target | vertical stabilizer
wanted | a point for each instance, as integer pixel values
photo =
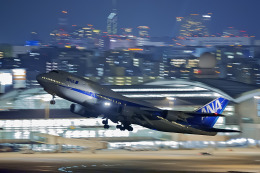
(216, 106)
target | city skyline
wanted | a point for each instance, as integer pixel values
(20, 18)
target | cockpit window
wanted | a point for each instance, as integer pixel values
(54, 71)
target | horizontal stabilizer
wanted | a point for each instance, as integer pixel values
(220, 130)
(198, 114)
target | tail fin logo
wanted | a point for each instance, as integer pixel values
(212, 108)
(216, 106)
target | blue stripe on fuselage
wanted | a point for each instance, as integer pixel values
(94, 95)
(81, 91)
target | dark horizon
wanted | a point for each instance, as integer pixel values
(20, 18)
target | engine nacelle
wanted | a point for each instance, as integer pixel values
(170, 115)
(82, 110)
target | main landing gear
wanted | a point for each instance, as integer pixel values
(125, 127)
(105, 122)
(122, 127)
(52, 102)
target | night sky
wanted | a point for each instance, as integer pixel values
(20, 17)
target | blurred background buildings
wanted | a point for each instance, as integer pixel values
(180, 73)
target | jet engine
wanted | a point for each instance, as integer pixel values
(82, 110)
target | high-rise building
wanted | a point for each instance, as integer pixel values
(128, 32)
(143, 31)
(5, 50)
(83, 37)
(34, 40)
(143, 35)
(194, 25)
(232, 32)
(112, 23)
(60, 36)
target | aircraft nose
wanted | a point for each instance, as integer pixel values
(39, 78)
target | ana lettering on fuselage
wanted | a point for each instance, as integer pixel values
(72, 81)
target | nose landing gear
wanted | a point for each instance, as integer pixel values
(52, 102)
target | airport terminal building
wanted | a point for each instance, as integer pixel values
(27, 112)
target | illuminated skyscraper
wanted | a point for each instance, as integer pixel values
(143, 31)
(143, 35)
(60, 36)
(231, 32)
(83, 37)
(194, 25)
(83, 32)
(34, 40)
(112, 23)
(112, 20)
(127, 31)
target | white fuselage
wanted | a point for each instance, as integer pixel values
(92, 95)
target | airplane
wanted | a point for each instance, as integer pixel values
(91, 99)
